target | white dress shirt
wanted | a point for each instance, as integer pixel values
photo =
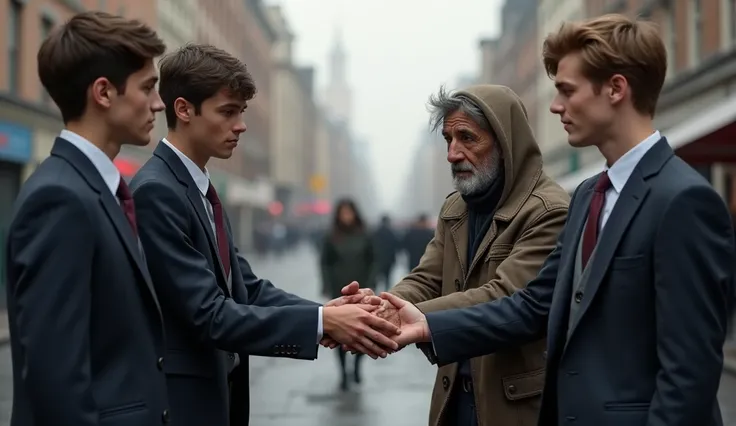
(202, 180)
(104, 165)
(620, 172)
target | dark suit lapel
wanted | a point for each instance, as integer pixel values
(195, 198)
(84, 166)
(632, 196)
(563, 290)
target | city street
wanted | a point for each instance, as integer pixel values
(394, 391)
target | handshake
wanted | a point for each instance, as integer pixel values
(374, 325)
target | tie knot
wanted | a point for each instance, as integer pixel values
(123, 191)
(603, 183)
(212, 195)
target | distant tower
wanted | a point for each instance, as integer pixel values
(338, 96)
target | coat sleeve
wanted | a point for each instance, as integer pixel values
(521, 266)
(425, 281)
(188, 288)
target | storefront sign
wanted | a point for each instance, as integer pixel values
(15, 143)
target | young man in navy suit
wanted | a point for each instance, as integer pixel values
(86, 333)
(216, 311)
(634, 297)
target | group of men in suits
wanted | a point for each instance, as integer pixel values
(131, 305)
(634, 298)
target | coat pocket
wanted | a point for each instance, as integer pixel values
(525, 385)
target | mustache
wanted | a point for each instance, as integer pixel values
(462, 167)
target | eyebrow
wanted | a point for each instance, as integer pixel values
(232, 105)
(150, 80)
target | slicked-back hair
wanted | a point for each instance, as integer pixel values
(89, 46)
(197, 72)
(613, 44)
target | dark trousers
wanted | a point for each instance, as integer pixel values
(342, 354)
(461, 410)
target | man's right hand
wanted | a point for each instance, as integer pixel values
(414, 328)
(356, 326)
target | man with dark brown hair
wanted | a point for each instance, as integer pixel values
(85, 324)
(633, 297)
(216, 311)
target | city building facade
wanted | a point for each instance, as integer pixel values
(697, 108)
(29, 121)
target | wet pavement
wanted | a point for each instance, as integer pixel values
(395, 390)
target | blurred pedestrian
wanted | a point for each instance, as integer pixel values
(387, 246)
(347, 255)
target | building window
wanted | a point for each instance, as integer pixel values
(15, 32)
(47, 25)
(670, 24)
(696, 35)
(731, 13)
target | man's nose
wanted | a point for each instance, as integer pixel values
(240, 127)
(454, 154)
(556, 107)
(158, 103)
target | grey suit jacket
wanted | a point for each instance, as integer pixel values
(646, 347)
(206, 322)
(86, 333)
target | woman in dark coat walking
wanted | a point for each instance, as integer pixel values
(347, 255)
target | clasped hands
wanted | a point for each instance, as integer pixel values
(374, 325)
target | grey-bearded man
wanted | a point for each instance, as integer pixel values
(492, 237)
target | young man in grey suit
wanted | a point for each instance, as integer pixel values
(86, 333)
(633, 298)
(216, 311)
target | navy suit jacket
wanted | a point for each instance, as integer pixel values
(205, 322)
(647, 347)
(85, 325)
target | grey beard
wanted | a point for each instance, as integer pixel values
(481, 179)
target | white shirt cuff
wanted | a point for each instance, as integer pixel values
(319, 325)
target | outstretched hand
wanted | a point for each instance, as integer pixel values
(411, 321)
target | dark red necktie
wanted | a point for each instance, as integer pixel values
(126, 202)
(222, 245)
(590, 234)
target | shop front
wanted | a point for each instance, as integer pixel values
(15, 152)
(248, 202)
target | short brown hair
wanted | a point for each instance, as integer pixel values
(89, 46)
(614, 44)
(196, 72)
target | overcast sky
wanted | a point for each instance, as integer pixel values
(399, 52)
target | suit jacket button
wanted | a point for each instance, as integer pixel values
(512, 389)
(458, 285)
(165, 416)
(160, 364)
(578, 297)
(445, 382)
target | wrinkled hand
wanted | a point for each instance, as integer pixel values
(388, 312)
(412, 322)
(351, 294)
(355, 326)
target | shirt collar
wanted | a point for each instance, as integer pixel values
(201, 178)
(104, 165)
(621, 170)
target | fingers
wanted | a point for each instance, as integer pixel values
(371, 300)
(350, 289)
(382, 325)
(368, 308)
(382, 340)
(394, 300)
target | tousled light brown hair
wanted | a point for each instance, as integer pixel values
(197, 72)
(89, 46)
(613, 44)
